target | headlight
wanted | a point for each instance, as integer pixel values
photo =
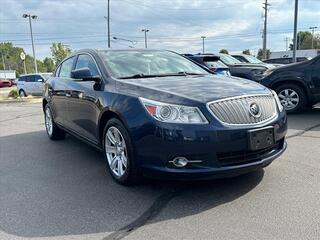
(258, 72)
(268, 72)
(275, 95)
(166, 112)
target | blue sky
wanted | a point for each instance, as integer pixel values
(174, 24)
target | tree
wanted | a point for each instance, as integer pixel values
(247, 52)
(260, 54)
(49, 64)
(59, 52)
(225, 51)
(304, 41)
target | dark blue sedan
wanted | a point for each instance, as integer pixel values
(155, 113)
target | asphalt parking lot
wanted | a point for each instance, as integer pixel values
(61, 190)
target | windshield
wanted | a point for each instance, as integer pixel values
(215, 64)
(126, 63)
(227, 59)
(252, 59)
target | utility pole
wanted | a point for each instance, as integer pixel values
(29, 16)
(145, 36)
(265, 7)
(108, 20)
(312, 29)
(294, 54)
(203, 37)
(286, 39)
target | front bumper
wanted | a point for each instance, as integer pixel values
(156, 144)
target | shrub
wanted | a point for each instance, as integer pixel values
(13, 94)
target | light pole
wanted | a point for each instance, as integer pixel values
(203, 37)
(29, 16)
(265, 7)
(294, 54)
(108, 19)
(126, 40)
(145, 37)
(312, 29)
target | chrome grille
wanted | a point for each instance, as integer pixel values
(236, 110)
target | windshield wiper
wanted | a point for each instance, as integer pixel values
(141, 75)
(189, 73)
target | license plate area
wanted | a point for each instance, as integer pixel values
(261, 138)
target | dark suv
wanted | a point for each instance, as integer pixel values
(158, 114)
(297, 85)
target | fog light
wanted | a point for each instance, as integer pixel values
(180, 161)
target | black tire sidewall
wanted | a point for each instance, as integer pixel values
(130, 175)
(302, 97)
(23, 93)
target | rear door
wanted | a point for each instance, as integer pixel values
(315, 77)
(29, 84)
(38, 85)
(83, 101)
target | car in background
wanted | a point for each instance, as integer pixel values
(156, 113)
(31, 84)
(5, 83)
(285, 60)
(297, 84)
(245, 58)
(249, 71)
(210, 61)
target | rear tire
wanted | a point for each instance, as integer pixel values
(119, 154)
(292, 97)
(53, 131)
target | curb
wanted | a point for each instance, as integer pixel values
(19, 100)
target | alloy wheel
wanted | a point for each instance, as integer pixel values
(116, 151)
(48, 121)
(289, 98)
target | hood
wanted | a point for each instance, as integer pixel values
(199, 88)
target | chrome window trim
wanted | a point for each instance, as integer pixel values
(244, 124)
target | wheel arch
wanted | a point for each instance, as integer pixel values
(104, 118)
(292, 82)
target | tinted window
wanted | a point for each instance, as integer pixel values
(22, 79)
(66, 68)
(85, 60)
(37, 77)
(30, 78)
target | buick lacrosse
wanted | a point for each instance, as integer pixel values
(155, 113)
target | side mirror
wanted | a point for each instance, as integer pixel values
(84, 74)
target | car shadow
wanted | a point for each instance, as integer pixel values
(58, 188)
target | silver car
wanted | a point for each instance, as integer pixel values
(31, 84)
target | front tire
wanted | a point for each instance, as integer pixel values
(292, 97)
(119, 153)
(22, 93)
(53, 131)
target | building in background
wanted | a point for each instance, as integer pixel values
(308, 53)
(8, 74)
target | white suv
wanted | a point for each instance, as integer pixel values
(31, 84)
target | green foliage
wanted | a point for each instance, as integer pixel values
(304, 40)
(13, 94)
(225, 51)
(13, 61)
(260, 54)
(247, 52)
(49, 64)
(59, 52)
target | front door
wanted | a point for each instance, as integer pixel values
(83, 101)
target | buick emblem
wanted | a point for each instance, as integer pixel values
(254, 110)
